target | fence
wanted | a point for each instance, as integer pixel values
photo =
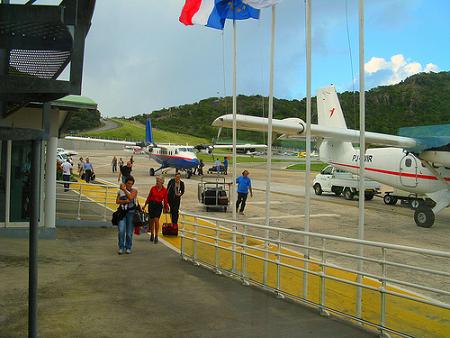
(325, 274)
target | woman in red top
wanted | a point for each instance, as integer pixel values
(155, 200)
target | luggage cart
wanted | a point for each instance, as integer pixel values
(214, 194)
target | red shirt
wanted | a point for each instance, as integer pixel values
(158, 196)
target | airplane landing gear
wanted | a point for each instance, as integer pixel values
(189, 173)
(424, 216)
(151, 172)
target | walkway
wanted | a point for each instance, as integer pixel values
(87, 290)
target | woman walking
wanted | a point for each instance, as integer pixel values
(156, 200)
(127, 199)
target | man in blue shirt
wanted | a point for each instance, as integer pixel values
(244, 185)
(225, 165)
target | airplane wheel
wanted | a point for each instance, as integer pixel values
(189, 173)
(424, 217)
(317, 189)
(348, 194)
(152, 172)
(390, 200)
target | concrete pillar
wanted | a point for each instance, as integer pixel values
(50, 183)
(8, 183)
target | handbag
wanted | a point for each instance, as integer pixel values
(118, 215)
(139, 218)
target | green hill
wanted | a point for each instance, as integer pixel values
(422, 99)
(135, 131)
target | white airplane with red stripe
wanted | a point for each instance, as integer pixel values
(417, 165)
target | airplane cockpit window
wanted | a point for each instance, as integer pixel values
(408, 162)
(182, 149)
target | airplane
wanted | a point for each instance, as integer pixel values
(180, 157)
(419, 165)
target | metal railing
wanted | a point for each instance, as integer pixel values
(388, 269)
(85, 201)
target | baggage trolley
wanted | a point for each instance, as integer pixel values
(214, 194)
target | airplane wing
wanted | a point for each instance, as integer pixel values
(240, 146)
(295, 127)
(92, 139)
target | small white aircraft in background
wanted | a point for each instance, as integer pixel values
(419, 165)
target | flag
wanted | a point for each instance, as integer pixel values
(213, 13)
(203, 12)
(238, 10)
(258, 4)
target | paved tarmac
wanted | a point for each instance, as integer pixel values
(87, 290)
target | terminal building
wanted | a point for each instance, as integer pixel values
(37, 43)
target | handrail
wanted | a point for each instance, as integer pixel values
(232, 237)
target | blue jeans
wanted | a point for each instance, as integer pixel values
(126, 227)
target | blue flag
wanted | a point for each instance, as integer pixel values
(238, 10)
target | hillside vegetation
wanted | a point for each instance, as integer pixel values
(422, 99)
(135, 131)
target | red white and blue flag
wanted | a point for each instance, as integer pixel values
(213, 13)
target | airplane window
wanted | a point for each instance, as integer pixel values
(408, 162)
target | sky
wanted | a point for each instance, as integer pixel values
(140, 58)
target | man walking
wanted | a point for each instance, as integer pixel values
(175, 189)
(114, 164)
(125, 171)
(244, 185)
(67, 170)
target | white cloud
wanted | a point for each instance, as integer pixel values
(430, 67)
(382, 72)
(375, 64)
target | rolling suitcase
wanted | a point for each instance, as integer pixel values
(169, 229)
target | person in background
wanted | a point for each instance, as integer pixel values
(125, 171)
(120, 163)
(114, 164)
(88, 170)
(67, 171)
(200, 167)
(175, 189)
(225, 165)
(131, 160)
(217, 164)
(80, 167)
(126, 198)
(244, 185)
(156, 201)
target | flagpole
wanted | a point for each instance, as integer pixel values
(362, 151)
(233, 201)
(269, 143)
(308, 144)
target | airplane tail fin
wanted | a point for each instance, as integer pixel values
(148, 132)
(329, 109)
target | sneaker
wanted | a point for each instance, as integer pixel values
(128, 251)
(120, 251)
(241, 212)
(156, 239)
(151, 238)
